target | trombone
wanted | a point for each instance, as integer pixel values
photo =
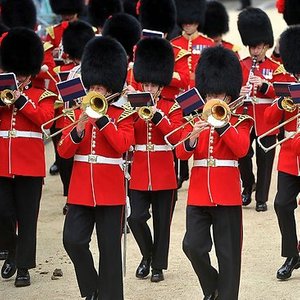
(215, 112)
(93, 103)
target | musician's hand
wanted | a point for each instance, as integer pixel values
(129, 89)
(257, 82)
(17, 94)
(198, 127)
(246, 90)
(81, 124)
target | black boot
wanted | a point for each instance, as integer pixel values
(157, 275)
(246, 196)
(23, 278)
(54, 169)
(143, 269)
(287, 268)
(8, 269)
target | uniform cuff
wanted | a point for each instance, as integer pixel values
(75, 137)
(102, 122)
(157, 117)
(221, 130)
(20, 102)
(279, 102)
(264, 87)
(188, 147)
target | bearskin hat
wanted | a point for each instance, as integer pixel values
(154, 61)
(22, 52)
(125, 28)
(3, 28)
(159, 15)
(104, 62)
(75, 37)
(255, 27)
(218, 71)
(291, 13)
(130, 7)
(191, 11)
(100, 10)
(289, 44)
(17, 13)
(67, 7)
(216, 19)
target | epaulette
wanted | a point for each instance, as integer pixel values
(50, 31)
(95, 29)
(47, 46)
(174, 107)
(56, 69)
(47, 94)
(241, 118)
(70, 114)
(236, 48)
(280, 70)
(181, 53)
(128, 111)
(190, 119)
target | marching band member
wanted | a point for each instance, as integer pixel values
(22, 163)
(214, 193)
(97, 187)
(217, 24)
(153, 179)
(259, 72)
(288, 183)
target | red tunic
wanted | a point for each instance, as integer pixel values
(154, 170)
(217, 185)
(194, 44)
(98, 183)
(25, 156)
(270, 71)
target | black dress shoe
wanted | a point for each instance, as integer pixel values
(94, 296)
(8, 269)
(143, 269)
(3, 254)
(157, 275)
(23, 278)
(261, 206)
(54, 169)
(246, 199)
(212, 296)
(65, 209)
(287, 268)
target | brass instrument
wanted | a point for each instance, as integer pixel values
(8, 97)
(288, 104)
(215, 112)
(93, 103)
(146, 113)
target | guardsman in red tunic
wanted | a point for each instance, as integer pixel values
(22, 157)
(217, 24)
(153, 179)
(288, 186)
(97, 188)
(69, 11)
(214, 193)
(190, 17)
(259, 72)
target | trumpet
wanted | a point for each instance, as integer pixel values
(7, 96)
(146, 113)
(93, 103)
(215, 112)
(288, 104)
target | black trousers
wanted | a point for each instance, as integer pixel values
(162, 203)
(288, 187)
(19, 206)
(226, 223)
(79, 224)
(264, 162)
(55, 140)
(65, 171)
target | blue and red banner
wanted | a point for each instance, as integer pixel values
(8, 81)
(140, 99)
(190, 101)
(295, 92)
(71, 89)
(282, 89)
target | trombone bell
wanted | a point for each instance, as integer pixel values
(288, 104)
(146, 113)
(7, 96)
(94, 104)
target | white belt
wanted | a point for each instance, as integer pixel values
(151, 147)
(212, 162)
(98, 159)
(289, 134)
(263, 100)
(18, 133)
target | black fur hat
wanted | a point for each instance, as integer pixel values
(100, 10)
(159, 15)
(75, 37)
(190, 11)
(3, 28)
(125, 28)
(216, 19)
(22, 52)
(104, 62)
(219, 71)
(255, 27)
(291, 13)
(154, 61)
(66, 7)
(289, 45)
(130, 7)
(17, 13)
